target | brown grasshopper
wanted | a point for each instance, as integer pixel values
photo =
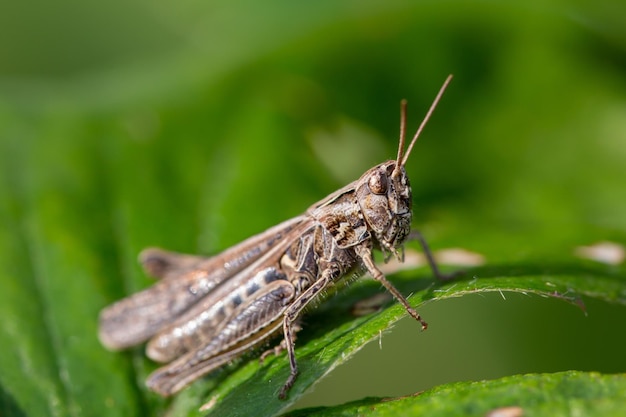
(206, 311)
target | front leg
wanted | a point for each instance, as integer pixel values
(329, 273)
(365, 253)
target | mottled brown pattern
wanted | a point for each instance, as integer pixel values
(206, 311)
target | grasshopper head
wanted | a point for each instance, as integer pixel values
(384, 195)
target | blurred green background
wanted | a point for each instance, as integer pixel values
(192, 126)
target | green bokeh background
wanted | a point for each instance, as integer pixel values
(192, 126)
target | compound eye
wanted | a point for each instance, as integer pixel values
(378, 183)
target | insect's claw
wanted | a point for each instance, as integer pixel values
(290, 381)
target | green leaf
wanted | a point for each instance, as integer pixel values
(558, 394)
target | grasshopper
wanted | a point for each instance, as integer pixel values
(206, 311)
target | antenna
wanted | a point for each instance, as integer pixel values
(402, 129)
(401, 161)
